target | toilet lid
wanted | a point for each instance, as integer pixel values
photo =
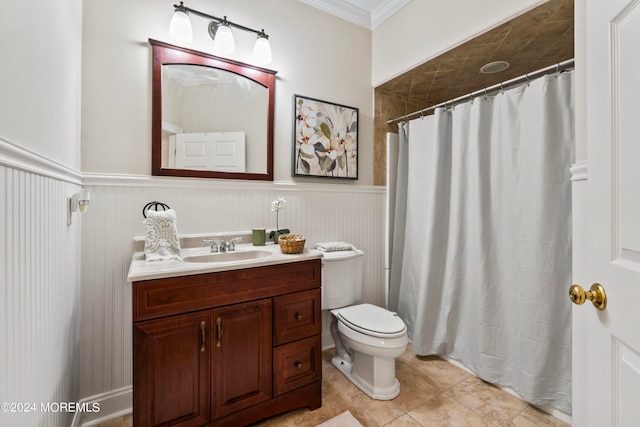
(372, 320)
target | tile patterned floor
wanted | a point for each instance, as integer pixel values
(433, 393)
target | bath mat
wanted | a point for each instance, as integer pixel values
(345, 419)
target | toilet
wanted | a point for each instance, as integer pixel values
(367, 338)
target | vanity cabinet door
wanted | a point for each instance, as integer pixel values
(241, 361)
(171, 362)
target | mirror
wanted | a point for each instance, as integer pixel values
(212, 117)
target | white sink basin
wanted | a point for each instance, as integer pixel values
(228, 256)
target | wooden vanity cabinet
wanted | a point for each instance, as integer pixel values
(227, 348)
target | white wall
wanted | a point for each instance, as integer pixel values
(40, 84)
(581, 77)
(580, 191)
(39, 253)
(315, 54)
(424, 29)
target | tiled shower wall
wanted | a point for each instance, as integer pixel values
(39, 296)
(323, 211)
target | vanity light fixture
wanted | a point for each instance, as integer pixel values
(79, 201)
(220, 31)
(262, 49)
(180, 25)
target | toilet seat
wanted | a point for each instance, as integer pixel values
(372, 320)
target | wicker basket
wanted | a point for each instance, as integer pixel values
(291, 243)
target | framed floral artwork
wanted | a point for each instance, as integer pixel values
(325, 139)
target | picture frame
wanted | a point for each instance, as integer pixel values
(325, 139)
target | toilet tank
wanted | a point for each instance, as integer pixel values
(341, 278)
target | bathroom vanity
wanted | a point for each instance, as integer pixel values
(225, 341)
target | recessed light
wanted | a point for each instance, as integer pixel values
(494, 67)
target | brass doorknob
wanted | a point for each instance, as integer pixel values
(596, 295)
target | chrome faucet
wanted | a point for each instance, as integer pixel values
(229, 246)
(214, 245)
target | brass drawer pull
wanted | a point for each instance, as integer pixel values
(219, 323)
(298, 365)
(202, 328)
(299, 317)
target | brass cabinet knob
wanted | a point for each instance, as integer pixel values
(596, 295)
(299, 317)
(298, 365)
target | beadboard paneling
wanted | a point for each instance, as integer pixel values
(322, 212)
(39, 296)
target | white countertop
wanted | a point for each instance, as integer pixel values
(147, 270)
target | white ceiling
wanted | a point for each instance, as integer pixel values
(367, 13)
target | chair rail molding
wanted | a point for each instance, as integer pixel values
(16, 157)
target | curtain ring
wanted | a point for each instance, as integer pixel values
(501, 89)
(527, 77)
(486, 95)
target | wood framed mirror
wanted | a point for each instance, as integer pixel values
(212, 117)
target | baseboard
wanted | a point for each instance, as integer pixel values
(112, 404)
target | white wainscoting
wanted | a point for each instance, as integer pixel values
(325, 211)
(39, 289)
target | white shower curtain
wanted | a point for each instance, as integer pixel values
(482, 237)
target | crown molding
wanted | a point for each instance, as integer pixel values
(385, 10)
(352, 13)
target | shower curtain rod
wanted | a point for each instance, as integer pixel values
(560, 66)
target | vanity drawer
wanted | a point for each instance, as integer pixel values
(297, 364)
(164, 297)
(296, 316)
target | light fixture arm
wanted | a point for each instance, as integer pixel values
(220, 21)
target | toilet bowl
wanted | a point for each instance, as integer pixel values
(368, 338)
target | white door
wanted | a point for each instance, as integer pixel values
(192, 151)
(215, 151)
(608, 365)
(228, 151)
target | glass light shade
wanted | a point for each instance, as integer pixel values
(84, 198)
(223, 44)
(180, 27)
(262, 51)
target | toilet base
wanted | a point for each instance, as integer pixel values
(377, 393)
